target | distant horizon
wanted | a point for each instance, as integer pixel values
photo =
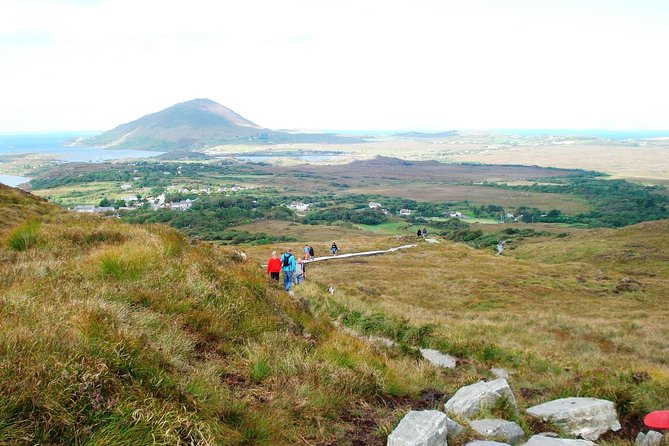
(587, 132)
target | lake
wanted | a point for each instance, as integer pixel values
(13, 180)
(56, 145)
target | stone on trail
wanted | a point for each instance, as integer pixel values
(420, 428)
(486, 443)
(439, 359)
(496, 429)
(651, 438)
(540, 440)
(470, 400)
(581, 417)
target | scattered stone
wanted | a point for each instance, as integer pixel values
(439, 359)
(486, 443)
(651, 438)
(499, 373)
(496, 429)
(582, 417)
(627, 284)
(432, 240)
(470, 400)
(454, 428)
(420, 428)
(540, 440)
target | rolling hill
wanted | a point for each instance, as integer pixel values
(198, 124)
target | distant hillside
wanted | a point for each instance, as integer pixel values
(198, 124)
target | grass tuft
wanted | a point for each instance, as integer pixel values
(24, 236)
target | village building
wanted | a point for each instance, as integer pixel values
(405, 212)
(92, 209)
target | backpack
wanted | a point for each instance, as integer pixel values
(286, 260)
(311, 251)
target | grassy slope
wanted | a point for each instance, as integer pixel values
(120, 334)
(559, 327)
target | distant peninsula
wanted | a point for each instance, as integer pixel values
(199, 124)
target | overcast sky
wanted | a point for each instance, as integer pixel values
(338, 64)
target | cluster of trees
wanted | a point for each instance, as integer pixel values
(361, 216)
(210, 217)
(615, 203)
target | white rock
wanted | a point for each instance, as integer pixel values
(420, 428)
(454, 428)
(439, 359)
(469, 401)
(581, 417)
(499, 373)
(540, 440)
(496, 429)
(651, 438)
(486, 443)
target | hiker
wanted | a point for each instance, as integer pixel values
(306, 252)
(334, 249)
(274, 266)
(500, 248)
(288, 265)
(298, 275)
(311, 252)
(418, 233)
(424, 232)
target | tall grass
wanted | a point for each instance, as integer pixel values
(24, 236)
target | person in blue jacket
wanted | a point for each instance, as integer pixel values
(288, 265)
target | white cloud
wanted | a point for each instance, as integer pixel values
(324, 64)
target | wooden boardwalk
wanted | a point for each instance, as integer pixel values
(360, 254)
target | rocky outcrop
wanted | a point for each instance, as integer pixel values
(540, 440)
(650, 438)
(439, 359)
(454, 428)
(587, 418)
(420, 428)
(469, 401)
(500, 430)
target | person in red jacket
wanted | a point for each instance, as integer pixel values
(274, 266)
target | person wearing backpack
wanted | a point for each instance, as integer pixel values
(288, 266)
(334, 249)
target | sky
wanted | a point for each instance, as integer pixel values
(337, 64)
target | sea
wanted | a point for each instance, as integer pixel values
(58, 146)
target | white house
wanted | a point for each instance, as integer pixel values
(405, 212)
(374, 205)
(455, 214)
(182, 205)
(126, 186)
(92, 209)
(299, 206)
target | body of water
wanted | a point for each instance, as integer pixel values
(56, 145)
(264, 158)
(13, 180)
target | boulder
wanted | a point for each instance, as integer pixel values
(454, 428)
(486, 443)
(651, 438)
(540, 440)
(420, 428)
(470, 400)
(587, 418)
(439, 359)
(496, 429)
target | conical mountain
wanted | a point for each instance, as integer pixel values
(187, 125)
